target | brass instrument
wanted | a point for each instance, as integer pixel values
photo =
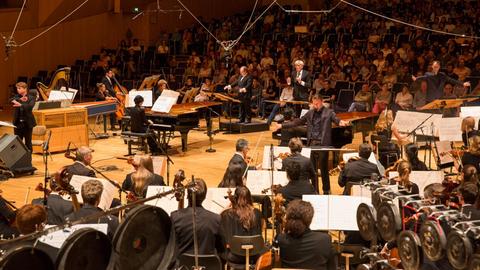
(60, 74)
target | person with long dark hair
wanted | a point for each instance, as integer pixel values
(242, 219)
(411, 151)
(301, 247)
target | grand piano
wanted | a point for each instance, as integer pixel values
(182, 118)
(360, 122)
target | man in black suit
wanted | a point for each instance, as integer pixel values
(57, 207)
(302, 82)
(296, 186)
(208, 225)
(244, 83)
(23, 117)
(238, 159)
(83, 158)
(319, 121)
(356, 171)
(91, 194)
(107, 80)
(300, 247)
(139, 123)
(307, 172)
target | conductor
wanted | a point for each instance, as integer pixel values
(244, 83)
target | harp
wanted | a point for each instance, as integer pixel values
(60, 78)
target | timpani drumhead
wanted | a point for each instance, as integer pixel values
(85, 249)
(24, 257)
(144, 240)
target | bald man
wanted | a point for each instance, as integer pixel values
(244, 83)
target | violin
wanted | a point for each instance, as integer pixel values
(178, 183)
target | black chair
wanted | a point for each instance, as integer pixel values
(246, 246)
(345, 99)
(133, 138)
(187, 261)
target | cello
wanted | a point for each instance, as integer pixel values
(120, 94)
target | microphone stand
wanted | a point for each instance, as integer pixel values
(45, 161)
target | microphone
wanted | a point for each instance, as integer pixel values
(47, 142)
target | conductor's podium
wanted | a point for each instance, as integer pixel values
(66, 124)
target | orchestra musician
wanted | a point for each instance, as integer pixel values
(244, 83)
(57, 207)
(307, 172)
(91, 193)
(242, 219)
(472, 156)
(300, 247)
(103, 95)
(468, 129)
(23, 119)
(319, 133)
(139, 123)
(436, 81)
(140, 163)
(297, 186)
(357, 170)
(302, 82)
(287, 95)
(83, 158)
(208, 225)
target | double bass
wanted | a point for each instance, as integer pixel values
(120, 94)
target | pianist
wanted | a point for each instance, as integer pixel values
(139, 124)
(319, 121)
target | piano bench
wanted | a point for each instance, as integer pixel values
(135, 138)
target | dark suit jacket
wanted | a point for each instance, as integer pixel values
(307, 171)
(77, 168)
(312, 250)
(295, 189)
(88, 210)
(236, 159)
(328, 116)
(23, 115)
(246, 83)
(301, 92)
(356, 171)
(57, 208)
(208, 231)
(109, 85)
(138, 121)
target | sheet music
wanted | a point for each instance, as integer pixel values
(109, 190)
(449, 129)
(6, 124)
(258, 180)
(276, 151)
(407, 121)
(215, 200)
(146, 94)
(327, 207)
(56, 239)
(168, 203)
(473, 111)
(58, 95)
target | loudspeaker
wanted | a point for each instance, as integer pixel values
(14, 155)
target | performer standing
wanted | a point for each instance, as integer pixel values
(436, 81)
(319, 133)
(302, 82)
(23, 117)
(244, 82)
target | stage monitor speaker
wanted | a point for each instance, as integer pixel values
(14, 155)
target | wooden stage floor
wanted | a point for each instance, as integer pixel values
(197, 162)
